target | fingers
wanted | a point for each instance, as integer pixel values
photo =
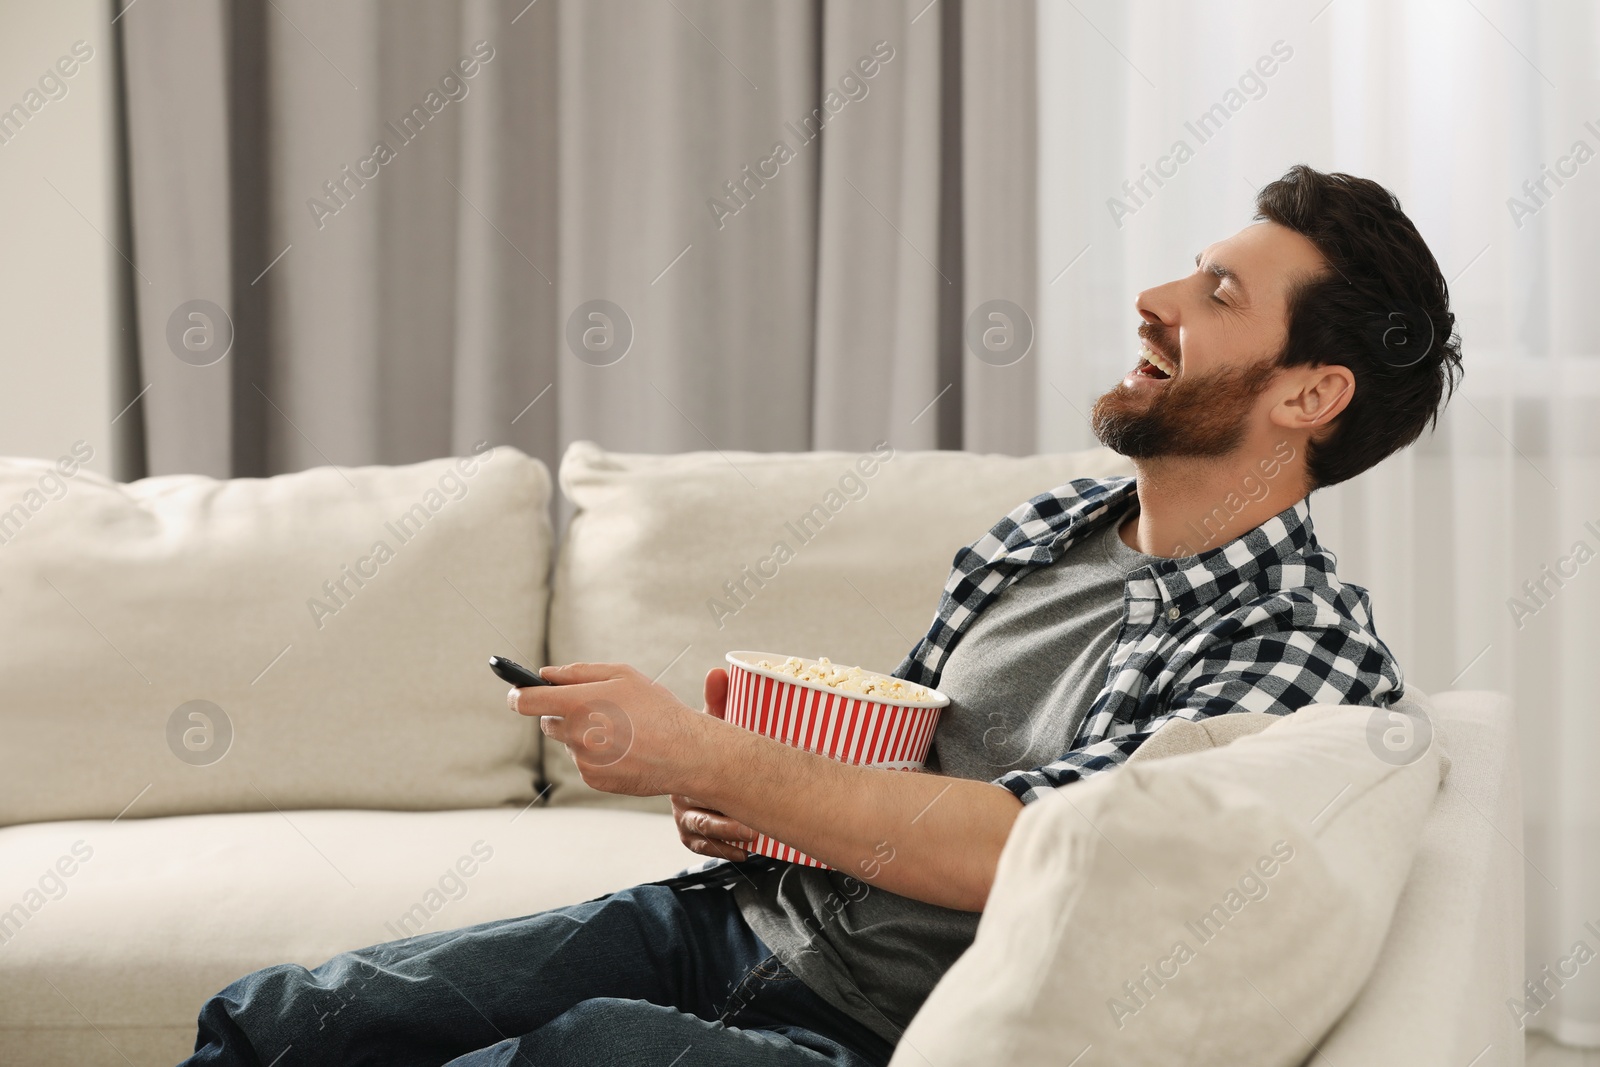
(562, 697)
(576, 673)
(722, 850)
(525, 701)
(707, 832)
(597, 732)
(548, 700)
(713, 824)
(716, 692)
(696, 821)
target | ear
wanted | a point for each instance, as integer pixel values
(1318, 395)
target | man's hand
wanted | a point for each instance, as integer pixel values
(925, 836)
(702, 829)
(626, 734)
(709, 832)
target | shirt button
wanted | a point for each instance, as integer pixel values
(1173, 613)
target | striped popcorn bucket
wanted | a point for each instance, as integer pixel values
(835, 723)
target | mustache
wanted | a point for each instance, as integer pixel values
(1156, 337)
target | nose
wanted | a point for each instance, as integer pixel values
(1159, 306)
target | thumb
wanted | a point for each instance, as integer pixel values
(717, 692)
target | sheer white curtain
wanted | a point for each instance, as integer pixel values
(1481, 545)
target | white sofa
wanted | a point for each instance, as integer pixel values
(353, 775)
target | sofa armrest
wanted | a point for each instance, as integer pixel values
(1454, 952)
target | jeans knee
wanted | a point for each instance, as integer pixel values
(614, 1032)
(222, 1034)
(274, 1007)
(589, 1015)
(602, 1019)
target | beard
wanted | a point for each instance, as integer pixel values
(1201, 417)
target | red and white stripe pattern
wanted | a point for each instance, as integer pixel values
(841, 725)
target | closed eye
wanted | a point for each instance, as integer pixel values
(1224, 275)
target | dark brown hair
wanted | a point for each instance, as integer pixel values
(1382, 310)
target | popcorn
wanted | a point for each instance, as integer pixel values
(850, 680)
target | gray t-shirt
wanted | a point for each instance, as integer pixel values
(1020, 681)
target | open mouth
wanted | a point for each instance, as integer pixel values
(1153, 364)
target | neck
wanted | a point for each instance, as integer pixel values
(1190, 505)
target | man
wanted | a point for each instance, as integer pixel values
(1300, 351)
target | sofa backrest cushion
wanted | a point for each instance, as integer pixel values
(181, 644)
(671, 561)
(1219, 907)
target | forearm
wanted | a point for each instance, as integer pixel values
(924, 836)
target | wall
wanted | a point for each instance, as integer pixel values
(56, 266)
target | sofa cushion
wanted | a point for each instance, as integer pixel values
(671, 561)
(158, 914)
(183, 645)
(1218, 907)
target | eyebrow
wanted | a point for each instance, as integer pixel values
(1222, 272)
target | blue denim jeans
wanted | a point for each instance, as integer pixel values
(657, 974)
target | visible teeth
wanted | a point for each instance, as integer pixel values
(1161, 362)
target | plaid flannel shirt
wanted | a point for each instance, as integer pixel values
(1260, 623)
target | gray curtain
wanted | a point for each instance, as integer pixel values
(658, 224)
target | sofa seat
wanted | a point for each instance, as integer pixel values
(111, 962)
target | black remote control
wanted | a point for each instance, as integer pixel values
(515, 673)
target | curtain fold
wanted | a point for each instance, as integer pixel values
(695, 224)
(506, 248)
(181, 191)
(881, 280)
(675, 213)
(1000, 224)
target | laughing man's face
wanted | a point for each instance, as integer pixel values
(1207, 348)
